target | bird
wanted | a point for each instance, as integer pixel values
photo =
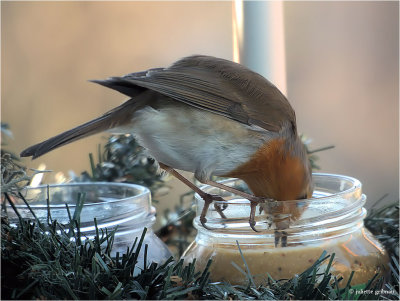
(212, 117)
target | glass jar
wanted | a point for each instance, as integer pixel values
(126, 206)
(332, 221)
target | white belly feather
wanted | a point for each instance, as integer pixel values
(194, 140)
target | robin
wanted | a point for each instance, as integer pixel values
(212, 117)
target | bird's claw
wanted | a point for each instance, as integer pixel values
(220, 210)
(208, 199)
(252, 222)
(252, 225)
(253, 205)
(203, 221)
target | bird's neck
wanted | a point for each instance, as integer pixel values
(274, 171)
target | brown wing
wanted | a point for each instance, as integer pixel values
(216, 85)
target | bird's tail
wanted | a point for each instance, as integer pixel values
(119, 116)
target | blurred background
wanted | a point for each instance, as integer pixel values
(342, 67)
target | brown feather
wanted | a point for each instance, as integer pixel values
(216, 85)
(116, 117)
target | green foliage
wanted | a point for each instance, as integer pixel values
(383, 222)
(52, 261)
(123, 160)
(14, 177)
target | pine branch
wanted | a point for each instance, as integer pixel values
(123, 160)
(39, 260)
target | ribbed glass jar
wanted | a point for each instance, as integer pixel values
(332, 221)
(126, 206)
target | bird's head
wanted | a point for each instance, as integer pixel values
(279, 170)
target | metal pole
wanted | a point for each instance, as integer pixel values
(259, 39)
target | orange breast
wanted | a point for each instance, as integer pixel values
(274, 172)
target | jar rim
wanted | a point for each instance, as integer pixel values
(337, 203)
(142, 191)
(356, 185)
(124, 205)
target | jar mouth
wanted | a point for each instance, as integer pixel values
(337, 201)
(126, 192)
(112, 204)
(347, 186)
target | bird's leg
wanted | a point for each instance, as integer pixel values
(238, 192)
(280, 234)
(252, 222)
(254, 200)
(208, 198)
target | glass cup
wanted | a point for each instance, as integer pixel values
(126, 206)
(331, 220)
